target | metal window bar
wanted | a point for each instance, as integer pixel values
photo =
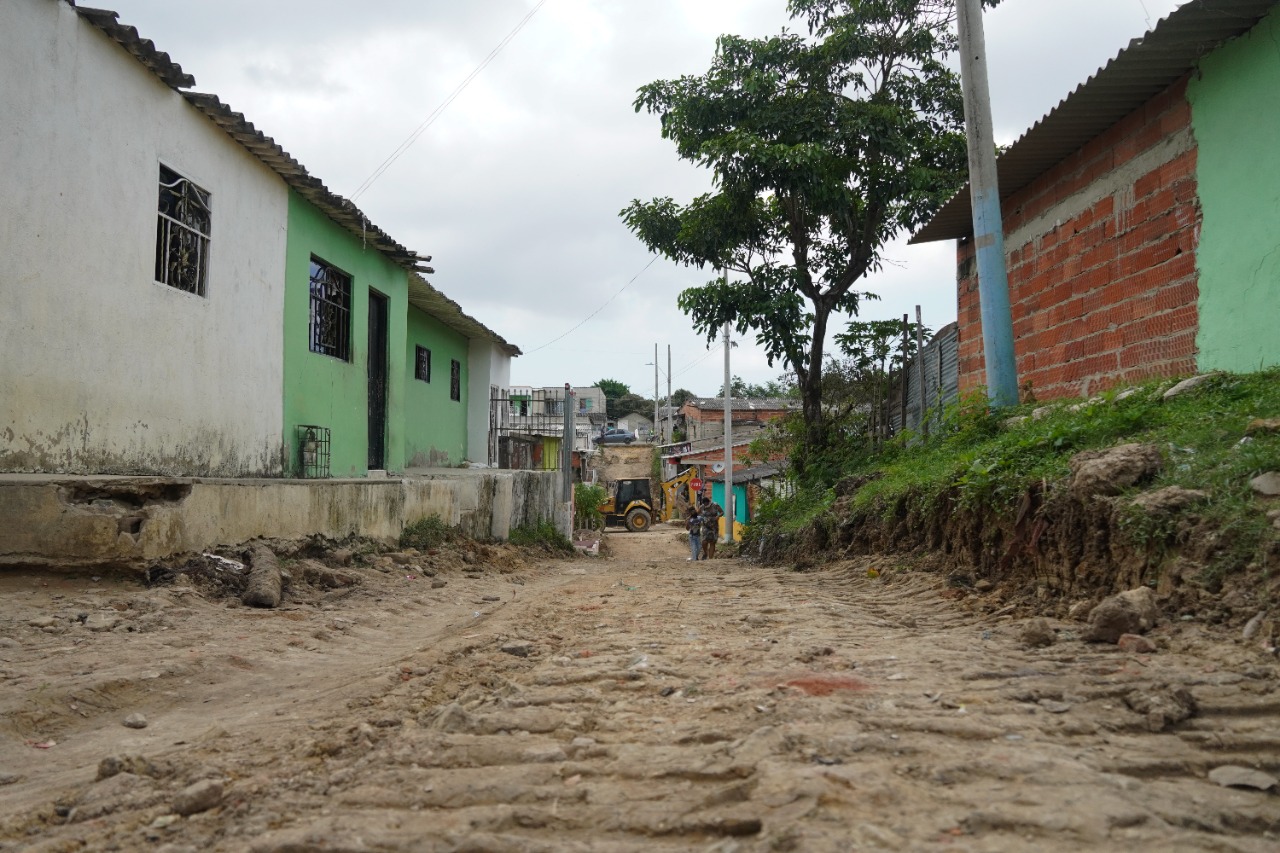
(330, 323)
(183, 228)
(455, 380)
(313, 451)
(422, 364)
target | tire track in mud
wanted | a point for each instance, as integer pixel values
(655, 704)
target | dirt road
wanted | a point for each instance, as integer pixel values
(636, 702)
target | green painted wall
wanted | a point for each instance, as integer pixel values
(320, 389)
(435, 424)
(1237, 126)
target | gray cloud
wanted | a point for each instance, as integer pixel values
(516, 188)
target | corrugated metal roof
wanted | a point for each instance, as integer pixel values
(143, 50)
(1138, 73)
(341, 210)
(426, 298)
(745, 404)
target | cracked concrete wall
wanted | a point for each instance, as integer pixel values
(125, 521)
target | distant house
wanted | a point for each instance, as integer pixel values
(638, 424)
(704, 416)
(531, 424)
(186, 299)
(1140, 213)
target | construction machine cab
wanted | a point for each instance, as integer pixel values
(630, 504)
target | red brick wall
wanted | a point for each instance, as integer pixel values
(1102, 281)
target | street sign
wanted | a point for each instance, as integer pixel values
(695, 484)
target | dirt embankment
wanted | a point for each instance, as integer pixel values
(1061, 545)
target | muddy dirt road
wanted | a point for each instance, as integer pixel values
(638, 702)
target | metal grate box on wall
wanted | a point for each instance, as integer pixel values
(313, 451)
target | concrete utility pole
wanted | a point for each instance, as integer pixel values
(984, 191)
(924, 421)
(728, 440)
(655, 391)
(670, 415)
(567, 441)
(905, 372)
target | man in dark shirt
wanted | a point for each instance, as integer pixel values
(711, 514)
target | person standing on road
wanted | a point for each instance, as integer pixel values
(694, 525)
(711, 514)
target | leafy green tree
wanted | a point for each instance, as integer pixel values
(612, 388)
(823, 148)
(614, 391)
(856, 387)
(680, 396)
(628, 403)
(750, 391)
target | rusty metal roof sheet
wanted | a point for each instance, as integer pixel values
(341, 210)
(1138, 73)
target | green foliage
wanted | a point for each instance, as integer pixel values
(680, 396)
(541, 535)
(426, 533)
(823, 148)
(612, 388)
(776, 389)
(586, 504)
(628, 403)
(989, 460)
(619, 400)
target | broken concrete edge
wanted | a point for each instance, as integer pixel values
(116, 522)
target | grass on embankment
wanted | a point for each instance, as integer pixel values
(988, 461)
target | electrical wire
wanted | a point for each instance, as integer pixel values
(436, 113)
(652, 261)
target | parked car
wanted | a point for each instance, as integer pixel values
(615, 435)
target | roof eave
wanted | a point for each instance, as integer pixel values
(1138, 73)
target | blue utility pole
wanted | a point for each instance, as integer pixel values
(988, 228)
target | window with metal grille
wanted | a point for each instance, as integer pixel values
(455, 380)
(182, 234)
(422, 364)
(330, 329)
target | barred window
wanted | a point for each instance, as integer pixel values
(455, 380)
(182, 234)
(422, 364)
(330, 330)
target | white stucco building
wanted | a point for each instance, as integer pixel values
(143, 329)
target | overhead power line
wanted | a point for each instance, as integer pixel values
(652, 261)
(436, 113)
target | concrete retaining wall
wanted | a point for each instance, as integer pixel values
(93, 521)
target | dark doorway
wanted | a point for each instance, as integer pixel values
(377, 381)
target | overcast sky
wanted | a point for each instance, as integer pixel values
(515, 188)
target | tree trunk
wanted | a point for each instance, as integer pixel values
(265, 584)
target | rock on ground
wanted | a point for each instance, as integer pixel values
(1110, 471)
(198, 797)
(1131, 612)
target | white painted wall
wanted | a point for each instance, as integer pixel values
(102, 369)
(488, 367)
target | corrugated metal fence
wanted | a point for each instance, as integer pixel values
(941, 361)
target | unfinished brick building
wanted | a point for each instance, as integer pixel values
(1110, 201)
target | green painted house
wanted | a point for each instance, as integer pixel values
(380, 369)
